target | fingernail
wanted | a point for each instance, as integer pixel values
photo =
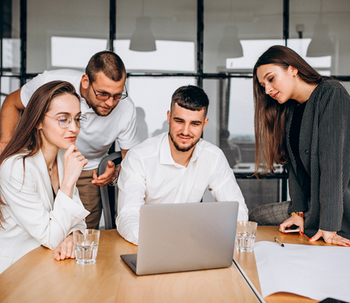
(347, 244)
(309, 239)
(301, 233)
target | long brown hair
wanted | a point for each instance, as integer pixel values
(26, 138)
(270, 116)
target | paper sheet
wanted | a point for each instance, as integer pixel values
(317, 272)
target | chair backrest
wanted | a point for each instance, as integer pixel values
(109, 193)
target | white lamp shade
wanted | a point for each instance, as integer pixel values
(321, 44)
(142, 39)
(230, 46)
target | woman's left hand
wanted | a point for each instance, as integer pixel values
(65, 250)
(330, 237)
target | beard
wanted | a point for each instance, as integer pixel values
(185, 148)
(104, 114)
(95, 108)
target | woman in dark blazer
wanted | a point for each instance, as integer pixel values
(302, 121)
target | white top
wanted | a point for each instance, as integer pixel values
(98, 133)
(150, 175)
(32, 216)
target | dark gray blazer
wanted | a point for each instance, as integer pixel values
(324, 146)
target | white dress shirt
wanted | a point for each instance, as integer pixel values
(149, 175)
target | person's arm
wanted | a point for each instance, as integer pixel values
(127, 136)
(298, 198)
(66, 248)
(131, 196)
(334, 163)
(224, 187)
(10, 114)
(298, 202)
(334, 158)
(110, 172)
(73, 165)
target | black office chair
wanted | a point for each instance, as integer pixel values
(109, 194)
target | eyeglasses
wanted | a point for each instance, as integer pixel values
(65, 120)
(106, 96)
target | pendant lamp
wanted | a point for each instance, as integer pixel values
(230, 46)
(142, 40)
(321, 44)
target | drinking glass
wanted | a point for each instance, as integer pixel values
(86, 245)
(245, 235)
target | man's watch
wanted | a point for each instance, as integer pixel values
(115, 180)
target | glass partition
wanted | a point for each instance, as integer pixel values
(62, 33)
(228, 23)
(165, 32)
(10, 47)
(325, 24)
(152, 97)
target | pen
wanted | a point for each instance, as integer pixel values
(279, 242)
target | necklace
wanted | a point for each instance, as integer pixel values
(50, 168)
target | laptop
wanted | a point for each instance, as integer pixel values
(184, 237)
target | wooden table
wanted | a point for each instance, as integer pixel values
(37, 277)
(247, 262)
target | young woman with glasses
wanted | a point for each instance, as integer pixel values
(302, 121)
(40, 204)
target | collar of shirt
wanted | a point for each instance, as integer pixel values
(165, 153)
(85, 109)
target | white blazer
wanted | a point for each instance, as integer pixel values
(32, 216)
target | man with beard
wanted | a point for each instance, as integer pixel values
(111, 116)
(175, 167)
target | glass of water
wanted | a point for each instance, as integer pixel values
(86, 245)
(245, 235)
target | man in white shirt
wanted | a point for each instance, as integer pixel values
(111, 116)
(175, 167)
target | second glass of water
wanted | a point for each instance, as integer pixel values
(86, 245)
(245, 235)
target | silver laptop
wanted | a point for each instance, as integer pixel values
(184, 237)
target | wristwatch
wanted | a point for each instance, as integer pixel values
(115, 180)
